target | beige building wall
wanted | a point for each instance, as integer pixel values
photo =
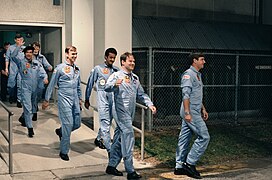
(38, 11)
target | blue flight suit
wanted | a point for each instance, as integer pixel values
(31, 72)
(67, 78)
(125, 103)
(99, 75)
(42, 59)
(192, 89)
(14, 78)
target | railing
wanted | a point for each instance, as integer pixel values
(141, 131)
(9, 137)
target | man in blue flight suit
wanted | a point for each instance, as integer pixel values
(127, 88)
(46, 65)
(66, 77)
(14, 79)
(31, 71)
(99, 75)
(192, 110)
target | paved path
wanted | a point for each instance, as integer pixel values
(37, 158)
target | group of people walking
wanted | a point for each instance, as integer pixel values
(117, 92)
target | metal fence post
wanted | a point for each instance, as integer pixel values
(236, 90)
(150, 88)
(142, 134)
(10, 126)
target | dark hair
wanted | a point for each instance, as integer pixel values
(110, 50)
(36, 44)
(124, 56)
(70, 48)
(28, 48)
(6, 43)
(193, 56)
(17, 36)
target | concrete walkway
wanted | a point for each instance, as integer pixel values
(38, 157)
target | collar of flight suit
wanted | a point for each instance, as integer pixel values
(66, 62)
(194, 69)
(126, 73)
(112, 67)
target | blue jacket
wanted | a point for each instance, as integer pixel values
(127, 93)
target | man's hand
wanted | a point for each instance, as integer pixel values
(4, 72)
(118, 82)
(188, 118)
(205, 114)
(21, 42)
(153, 109)
(45, 104)
(7, 71)
(45, 81)
(87, 104)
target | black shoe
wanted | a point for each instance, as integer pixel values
(58, 132)
(30, 132)
(19, 105)
(191, 171)
(22, 120)
(34, 117)
(180, 171)
(133, 175)
(113, 171)
(64, 157)
(99, 143)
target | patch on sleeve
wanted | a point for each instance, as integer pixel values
(186, 77)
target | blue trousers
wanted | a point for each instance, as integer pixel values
(69, 115)
(123, 145)
(29, 106)
(106, 113)
(198, 127)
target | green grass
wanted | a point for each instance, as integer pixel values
(227, 143)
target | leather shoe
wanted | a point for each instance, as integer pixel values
(64, 157)
(191, 171)
(19, 105)
(34, 117)
(180, 171)
(22, 120)
(99, 143)
(30, 132)
(133, 175)
(113, 171)
(58, 132)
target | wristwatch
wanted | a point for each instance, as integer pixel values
(187, 113)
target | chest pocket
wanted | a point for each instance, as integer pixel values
(196, 83)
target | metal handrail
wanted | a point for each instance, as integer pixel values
(141, 131)
(9, 137)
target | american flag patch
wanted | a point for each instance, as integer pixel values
(186, 77)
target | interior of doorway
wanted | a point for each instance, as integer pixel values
(48, 37)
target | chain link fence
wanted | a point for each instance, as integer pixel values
(236, 85)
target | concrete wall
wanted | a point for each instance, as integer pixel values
(82, 36)
(42, 11)
(52, 44)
